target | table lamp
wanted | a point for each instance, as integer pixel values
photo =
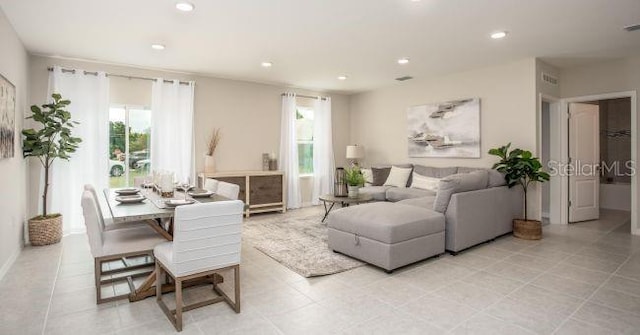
(355, 152)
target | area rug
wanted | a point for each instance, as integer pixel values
(297, 241)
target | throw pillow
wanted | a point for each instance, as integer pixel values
(457, 183)
(424, 182)
(380, 175)
(368, 176)
(398, 177)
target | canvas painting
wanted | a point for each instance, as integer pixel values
(447, 129)
(7, 117)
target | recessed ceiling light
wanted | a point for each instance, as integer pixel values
(415, 0)
(498, 35)
(185, 6)
(266, 64)
(157, 46)
(343, 77)
(403, 61)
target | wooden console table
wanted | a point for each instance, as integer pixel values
(266, 189)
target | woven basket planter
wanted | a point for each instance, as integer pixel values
(45, 231)
(527, 230)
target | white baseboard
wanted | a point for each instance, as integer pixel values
(7, 265)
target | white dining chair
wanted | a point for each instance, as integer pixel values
(211, 185)
(206, 241)
(106, 222)
(228, 190)
(116, 245)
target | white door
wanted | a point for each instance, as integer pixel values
(584, 154)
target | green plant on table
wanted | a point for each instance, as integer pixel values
(53, 140)
(353, 176)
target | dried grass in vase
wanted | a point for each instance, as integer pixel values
(214, 140)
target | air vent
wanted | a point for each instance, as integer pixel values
(632, 27)
(404, 78)
(549, 79)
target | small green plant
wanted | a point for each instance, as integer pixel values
(353, 176)
(53, 140)
(519, 168)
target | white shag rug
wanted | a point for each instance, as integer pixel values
(298, 240)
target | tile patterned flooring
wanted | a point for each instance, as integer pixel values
(580, 279)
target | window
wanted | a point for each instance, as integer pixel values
(304, 132)
(129, 138)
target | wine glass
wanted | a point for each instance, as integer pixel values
(185, 185)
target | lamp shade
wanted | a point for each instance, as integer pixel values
(355, 152)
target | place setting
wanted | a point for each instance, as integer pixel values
(129, 195)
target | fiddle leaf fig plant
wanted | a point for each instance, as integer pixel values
(519, 167)
(52, 140)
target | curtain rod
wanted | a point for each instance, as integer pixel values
(305, 96)
(94, 73)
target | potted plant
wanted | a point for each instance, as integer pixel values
(521, 168)
(354, 179)
(53, 140)
(209, 160)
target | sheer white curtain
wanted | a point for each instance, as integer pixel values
(288, 159)
(89, 96)
(172, 128)
(323, 162)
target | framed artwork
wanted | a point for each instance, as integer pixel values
(447, 129)
(7, 118)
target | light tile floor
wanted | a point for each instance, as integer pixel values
(580, 279)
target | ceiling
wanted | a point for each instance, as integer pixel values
(312, 42)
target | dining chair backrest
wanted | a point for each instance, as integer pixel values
(211, 185)
(94, 194)
(228, 190)
(92, 222)
(207, 236)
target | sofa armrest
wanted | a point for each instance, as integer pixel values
(477, 216)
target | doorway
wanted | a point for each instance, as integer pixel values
(616, 135)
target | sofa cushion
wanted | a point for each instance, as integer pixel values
(456, 183)
(424, 182)
(434, 172)
(398, 177)
(368, 176)
(496, 178)
(380, 175)
(396, 193)
(424, 202)
(379, 193)
(387, 222)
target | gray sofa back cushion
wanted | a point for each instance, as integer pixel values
(456, 183)
(496, 178)
(434, 172)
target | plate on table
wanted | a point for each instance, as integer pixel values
(178, 202)
(128, 191)
(130, 199)
(200, 193)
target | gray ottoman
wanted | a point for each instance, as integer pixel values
(387, 235)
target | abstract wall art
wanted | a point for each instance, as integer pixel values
(447, 129)
(7, 117)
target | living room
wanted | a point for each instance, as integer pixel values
(579, 277)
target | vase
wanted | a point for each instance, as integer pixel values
(209, 164)
(353, 191)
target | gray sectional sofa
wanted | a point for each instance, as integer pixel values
(406, 225)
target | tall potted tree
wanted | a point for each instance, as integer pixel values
(51, 141)
(521, 168)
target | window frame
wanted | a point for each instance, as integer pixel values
(127, 108)
(299, 141)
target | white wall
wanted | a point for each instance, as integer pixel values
(13, 182)
(248, 113)
(508, 114)
(605, 77)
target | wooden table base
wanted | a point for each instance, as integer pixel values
(148, 289)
